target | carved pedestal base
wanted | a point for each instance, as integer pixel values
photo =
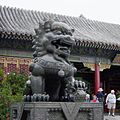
(57, 111)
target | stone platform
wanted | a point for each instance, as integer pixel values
(56, 111)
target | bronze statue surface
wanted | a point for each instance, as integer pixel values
(52, 74)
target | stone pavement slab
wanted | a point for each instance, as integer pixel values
(106, 117)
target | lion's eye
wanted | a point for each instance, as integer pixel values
(59, 32)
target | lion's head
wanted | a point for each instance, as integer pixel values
(53, 37)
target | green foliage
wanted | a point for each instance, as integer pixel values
(1, 75)
(118, 94)
(118, 102)
(11, 89)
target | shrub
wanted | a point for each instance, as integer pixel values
(11, 91)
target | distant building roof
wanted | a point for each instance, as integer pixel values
(19, 22)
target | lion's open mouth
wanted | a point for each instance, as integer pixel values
(63, 40)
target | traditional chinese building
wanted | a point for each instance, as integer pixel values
(96, 53)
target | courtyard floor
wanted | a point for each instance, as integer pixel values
(106, 117)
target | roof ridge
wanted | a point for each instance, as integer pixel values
(37, 11)
(79, 17)
(101, 21)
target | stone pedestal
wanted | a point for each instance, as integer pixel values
(56, 111)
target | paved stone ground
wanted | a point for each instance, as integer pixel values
(106, 117)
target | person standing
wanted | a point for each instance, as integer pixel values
(100, 95)
(94, 99)
(111, 102)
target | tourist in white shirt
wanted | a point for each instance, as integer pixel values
(111, 102)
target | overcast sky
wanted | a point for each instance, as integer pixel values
(101, 10)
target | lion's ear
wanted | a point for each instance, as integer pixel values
(73, 30)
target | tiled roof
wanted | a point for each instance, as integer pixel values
(19, 22)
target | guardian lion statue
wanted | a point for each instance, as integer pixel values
(51, 71)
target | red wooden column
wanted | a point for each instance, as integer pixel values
(97, 77)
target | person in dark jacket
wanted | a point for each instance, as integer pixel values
(100, 95)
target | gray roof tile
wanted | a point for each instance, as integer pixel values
(21, 21)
